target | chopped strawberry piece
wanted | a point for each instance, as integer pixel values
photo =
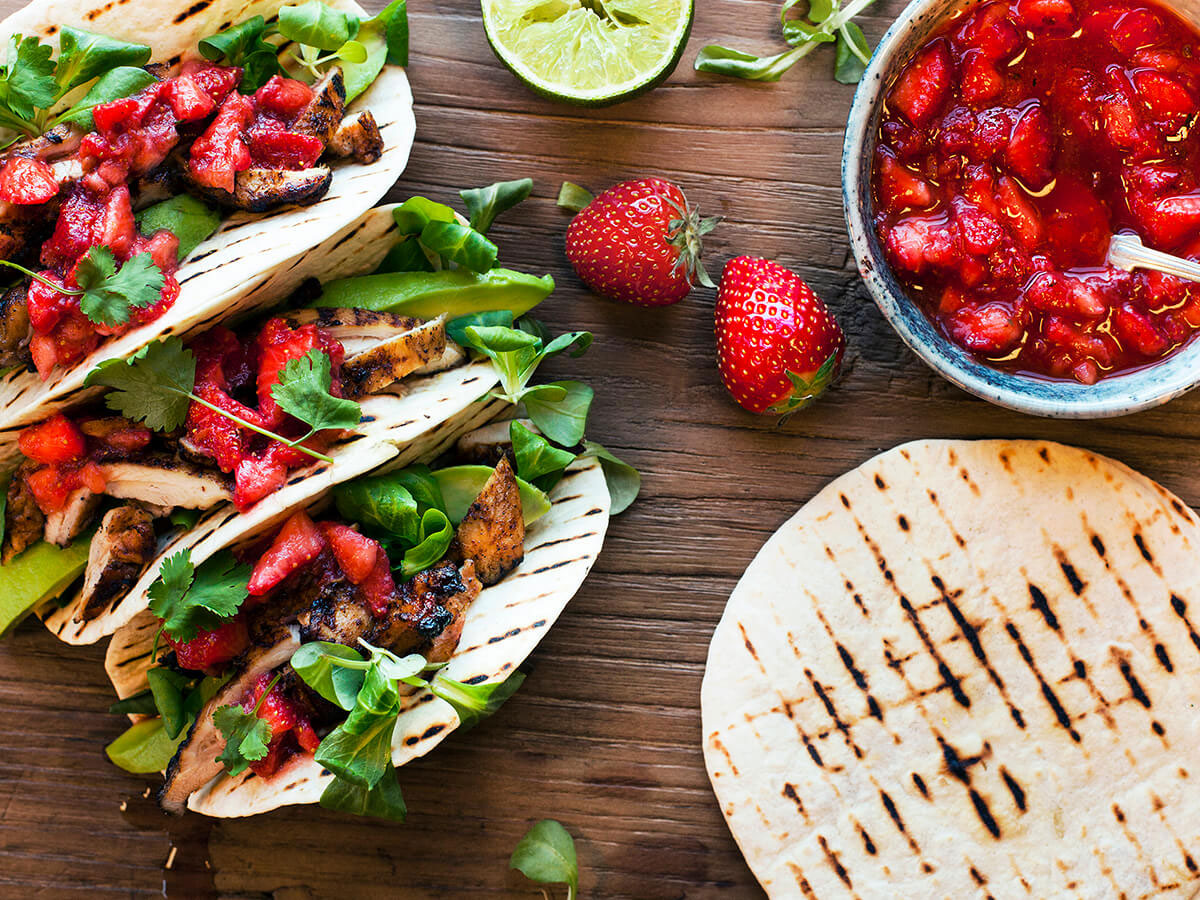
(1135, 329)
(27, 182)
(1136, 29)
(221, 152)
(215, 434)
(285, 97)
(57, 440)
(211, 651)
(46, 305)
(163, 247)
(296, 545)
(379, 588)
(1030, 150)
(1173, 218)
(128, 439)
(216, 81)
(285, 718)
(44, 354)
(127, 112)
(73, 231)
(990, 329)
(255, 478)
(355, 553)
(170, 293)
(116, 229)
(1044, 14)
(284, 150)
(51, 487)
(1162, 94)
(1022, 216)
(981, 81)
(989, 31)
(188, 100)
(916, 242)
(92, 477)
(922, 88)
(899, 186)
(981, 233)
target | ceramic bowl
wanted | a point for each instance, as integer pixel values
(1114, 396)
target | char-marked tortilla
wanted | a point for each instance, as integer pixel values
(503, 626)
(247, 248)
(412, 410)
(966, 669)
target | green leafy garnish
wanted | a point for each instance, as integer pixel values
(167, 687)
(189, 219)
(317, 663)
(141, 704)
(360, 748)
(624, 482)
(155, 386)
(144, 747)
(188, 599)
(434, 537)
(485, 203)
(303, 392)
(826, 22)
(475, 702)
(538, 461)
(546, 854)
(383, 801)
(106, 294)
(247, 737)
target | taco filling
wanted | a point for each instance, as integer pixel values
(70, 196)
(236, 442)
(399, 592)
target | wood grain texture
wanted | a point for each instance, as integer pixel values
(605, 734)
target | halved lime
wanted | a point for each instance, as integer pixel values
(588, 52)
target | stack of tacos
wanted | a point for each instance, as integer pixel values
(295, 468)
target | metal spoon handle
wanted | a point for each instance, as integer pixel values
(1126, 251)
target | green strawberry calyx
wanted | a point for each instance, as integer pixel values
(685, 234)
(805, 392)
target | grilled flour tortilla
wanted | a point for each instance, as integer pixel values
(501, 627)
(247, 248)
(410, 411)
(966, 669)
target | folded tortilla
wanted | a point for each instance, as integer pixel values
(247, 248)
(411, 412)
(502, 627)
(966, 669)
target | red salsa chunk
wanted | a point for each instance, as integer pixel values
(1015, 141)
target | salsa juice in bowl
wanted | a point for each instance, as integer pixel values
(1010, 145)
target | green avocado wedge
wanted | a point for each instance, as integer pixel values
(461, 485)
(40, 573)
(426, 295)
(144, 747)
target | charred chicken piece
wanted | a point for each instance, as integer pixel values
(59, 142)
(166, 481)
(486, 446)
(358, 138)
(443, 646)
(355, 329)
(492, 533)
(260, 190)
(121, 549)
(324, 112)
(195, 763)
(106, 433)
(14, 326)
(64, 525)
(388, 362)
(24, 522)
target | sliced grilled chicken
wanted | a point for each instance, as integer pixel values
(442, 647)
(259, 190)
(64, 526)
(20, 226)
(59, 142)
(161, 183)
(121, 549)
(195, 762)
(356, 329)
(324, 112)
(14, 326)
(486, 446)
(374, 369)
(24, 522)
(357, 137)
(492, 533)
(103, 428)
(166, 481)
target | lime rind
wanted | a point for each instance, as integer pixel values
(588, 51)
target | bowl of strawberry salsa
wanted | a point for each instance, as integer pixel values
(992, 150)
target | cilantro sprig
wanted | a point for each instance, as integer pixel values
(155, 386)
(188, 599)
(106, 293)
(826, 21)
(247, 737)
(32, 83)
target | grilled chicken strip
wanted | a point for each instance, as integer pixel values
(121, 549)
(492, 533)
(443, 646)
(355, 329)
(166, 481)
(386, 363)
(59, 142)
(324, 112)
(24, 522)
(64, 526)
(260, 190)
(358, 138)
(14, 326)
(195, 763)
(486, 446)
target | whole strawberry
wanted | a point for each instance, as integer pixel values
(778, 347)
(638, 242)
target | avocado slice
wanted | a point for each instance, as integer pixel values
(39, 574)
(426, 295)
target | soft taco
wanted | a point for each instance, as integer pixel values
(159, 166)
(201, 439)
(358, 632)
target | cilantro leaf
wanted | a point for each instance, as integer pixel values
(109, 292)
(247, 737)
(189, 599)
(303, 392)
(152, 386)
(27, 83)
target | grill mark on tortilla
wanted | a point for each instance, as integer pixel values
(747, 642)
(1014, 788)
(831, 857)
(949, 679)
(1135, 687)
(715, 741)
(805, 887)
(831, 710)
(868, 844)
(920, 783)
(969, 632)
(1068, 569)
(1060, 714)
(860, 680)
(1145, 864)
(192, 10)
(789, 791)
(1042, 605)
(1142, 548)
(1180, 608)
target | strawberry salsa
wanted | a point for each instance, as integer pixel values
(1013, 144)
(134, 143)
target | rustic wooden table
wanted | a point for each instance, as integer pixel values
(605, 734)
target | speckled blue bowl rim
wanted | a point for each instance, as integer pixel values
(1115, 396)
